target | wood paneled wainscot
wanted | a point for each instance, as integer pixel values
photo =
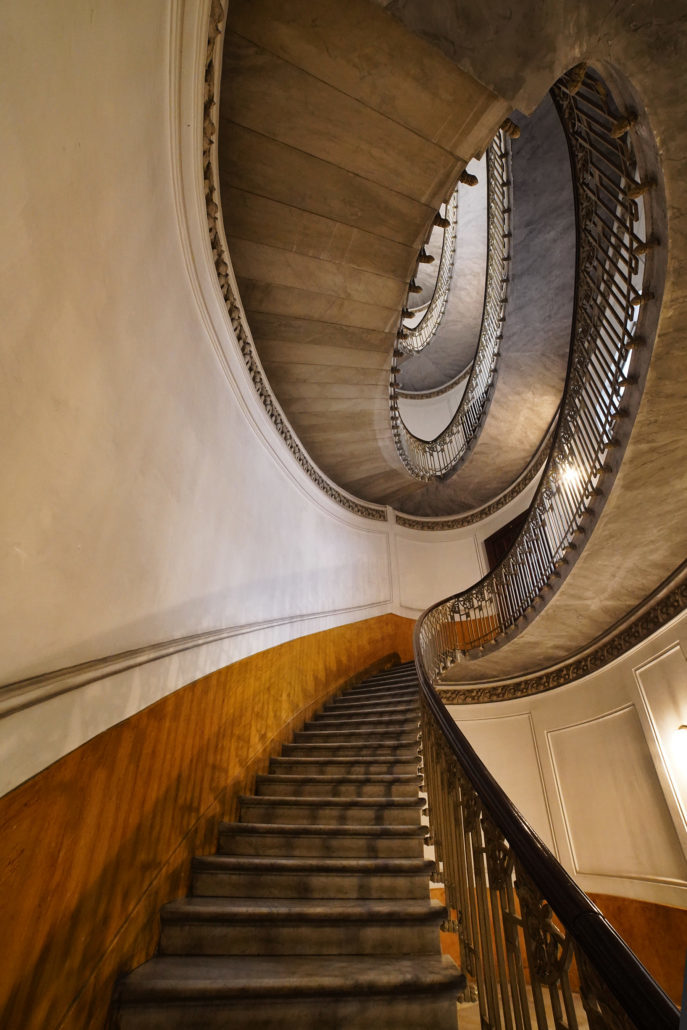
(91, 847)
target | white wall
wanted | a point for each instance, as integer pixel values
(430, 565)
(145, 494)
(599, 768)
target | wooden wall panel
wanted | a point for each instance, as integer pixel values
(656, 933)
(93, 846)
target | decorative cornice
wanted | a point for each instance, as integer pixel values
(222, 267)
(655, 612)
(472, 517)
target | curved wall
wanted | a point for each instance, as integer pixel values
(599, 768)
(150, 510)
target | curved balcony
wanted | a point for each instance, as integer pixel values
(440, 457)
(412, 339)
(608, 362)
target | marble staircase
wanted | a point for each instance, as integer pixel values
(340, 135)
(315, 911)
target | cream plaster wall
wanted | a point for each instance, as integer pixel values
(430, 565)
(145, 494)
(599, 768)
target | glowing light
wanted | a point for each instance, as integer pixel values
(569, 474)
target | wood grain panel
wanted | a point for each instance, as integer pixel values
(94, 845)
(656, 933)
(370, 56)
(254, 162)
(273, 97)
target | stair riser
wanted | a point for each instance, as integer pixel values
(390, 693)
(300, 767)
(368, 789)
(244, 884)
(321, 815)
(362, 737)
(299, 938)
(371, 707)
(289, 846)
(412, 1012)
(404, 752)
(363, 722)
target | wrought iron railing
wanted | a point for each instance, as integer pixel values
(412, 340)
(535, 950)
(608, 357)
(439, 458)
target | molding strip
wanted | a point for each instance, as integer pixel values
(35, 689)
(645, 619)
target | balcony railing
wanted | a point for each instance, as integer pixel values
(439, 458)
(415, 339)
(536, 951)
(608, 361)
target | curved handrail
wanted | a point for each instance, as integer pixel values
(415, 339)
(604, 363)
(439, 458)
(634, 989)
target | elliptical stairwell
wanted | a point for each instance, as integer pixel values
(315, 911)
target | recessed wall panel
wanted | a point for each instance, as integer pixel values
(616, 817)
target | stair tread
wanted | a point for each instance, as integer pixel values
(349, 760)
(260, 863)
(189, 977)
(324, 830)
(297, 910)
(409, 750)
(325, 778)
(286, 799)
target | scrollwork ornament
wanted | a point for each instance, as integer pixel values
(549, 948)
(498, 853)
(602, 1010)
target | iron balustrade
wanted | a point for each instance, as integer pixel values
(535, 950)
(412, 340)
(608, 356)
(439, 458)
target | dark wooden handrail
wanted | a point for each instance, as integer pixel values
(644, 1001)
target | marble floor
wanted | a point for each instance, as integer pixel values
(468, 1014)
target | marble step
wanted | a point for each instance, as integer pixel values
(336, 749)
(236, 876)
(285, 840)
(380, 697)
(307, 993)
(372, 707)
(332, 811)
(344, 766)
(399, 691)
(377, 786)
(405, 669)
(365, 720)
(240, 926)
(367, 738)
